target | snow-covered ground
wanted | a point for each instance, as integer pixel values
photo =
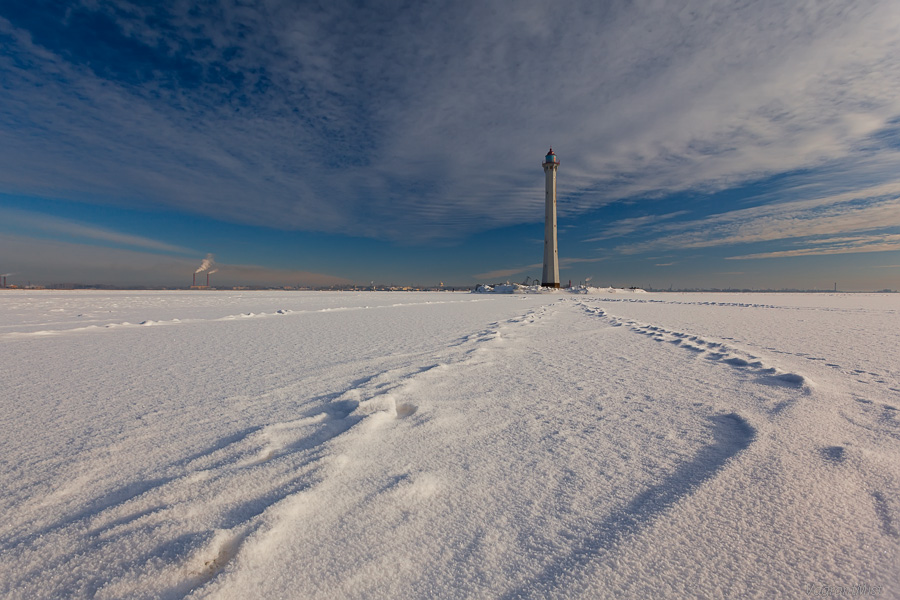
(402, 445)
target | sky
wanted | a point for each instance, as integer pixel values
(747, 144)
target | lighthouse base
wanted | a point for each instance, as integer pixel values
(553, 284)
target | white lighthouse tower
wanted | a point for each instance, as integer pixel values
(550, 277)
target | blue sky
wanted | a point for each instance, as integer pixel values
(731, 144)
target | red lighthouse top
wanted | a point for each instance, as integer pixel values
(551, 157)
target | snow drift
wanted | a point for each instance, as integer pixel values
(321, 445)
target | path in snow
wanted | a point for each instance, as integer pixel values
(566, 446)
(521, 456)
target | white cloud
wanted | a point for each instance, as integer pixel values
(431, 121)
(870, 209)
(624, 227)
(886, 243)
(69, 228)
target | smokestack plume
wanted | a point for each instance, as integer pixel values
(206, 263)
(208, 273)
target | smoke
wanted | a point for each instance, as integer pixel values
(213, 271)
(206, 264)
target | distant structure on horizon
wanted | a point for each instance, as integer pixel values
(207, 265)
(550, 278)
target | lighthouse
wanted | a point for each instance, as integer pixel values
(550, 277)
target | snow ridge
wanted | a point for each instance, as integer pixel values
(732, 434)
(13, 335)
(532, 446)
(237, 484)
(710, 350)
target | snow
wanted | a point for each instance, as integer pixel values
(349, 445)
(519, 288)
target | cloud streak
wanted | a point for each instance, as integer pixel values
(72, 229)
(563, 263)
(382, 123)
(866, 210)
(885, 243)
(55, 261)
(504, 273)
(628, 226)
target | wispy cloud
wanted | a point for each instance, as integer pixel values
(864, 210)
(624, 227)
(55, 261)
(429, 121)
(568, 262)
(503, 273)
(563, 263)
(885, 243)
(18, 219)
(238, 274)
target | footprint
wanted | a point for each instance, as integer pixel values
(224, 546)
(834, 454)
(405, 410)
(790, 379)
(883, 510)
(736, 362)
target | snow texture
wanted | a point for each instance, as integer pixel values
(374, 445)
